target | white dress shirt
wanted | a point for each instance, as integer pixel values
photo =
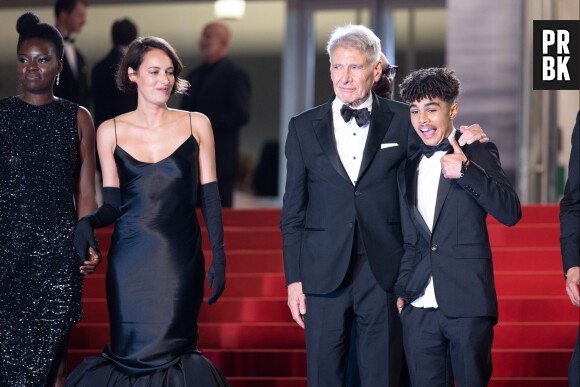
(429, 172)
(350, 138)
(71, 57)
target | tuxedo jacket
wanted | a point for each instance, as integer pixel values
(321, 205)
(222, 92)
(570, 206)
(71, 88)
(457, 251)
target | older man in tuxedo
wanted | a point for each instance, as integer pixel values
(341, 225)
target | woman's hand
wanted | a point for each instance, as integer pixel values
(90, 266)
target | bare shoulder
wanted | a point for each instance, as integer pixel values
(122, 119)
(106, 130)
(199, 117)
(83, 115)
(200, 124)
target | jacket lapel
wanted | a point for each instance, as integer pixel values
(444, 187)
(324, 131)
(411, 183)
(381, 118)
(442, 191)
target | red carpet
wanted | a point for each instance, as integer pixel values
(250, 336)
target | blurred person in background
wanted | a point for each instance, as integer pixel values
(71, 16)
(108, 100)
(221, 90)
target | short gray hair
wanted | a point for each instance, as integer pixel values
(357, 36)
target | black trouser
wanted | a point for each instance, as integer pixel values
(431, 339)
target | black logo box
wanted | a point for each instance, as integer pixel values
(573, 64)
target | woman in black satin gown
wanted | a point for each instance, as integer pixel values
(154, 160)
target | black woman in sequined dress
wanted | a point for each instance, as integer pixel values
(47, 166)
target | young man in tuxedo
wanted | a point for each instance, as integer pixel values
(341, 226)
(447, 299)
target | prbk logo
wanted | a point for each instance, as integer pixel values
(556, 55)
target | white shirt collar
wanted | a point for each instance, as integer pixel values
(368, 103)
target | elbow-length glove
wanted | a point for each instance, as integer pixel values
(105, 215)
(212, 214)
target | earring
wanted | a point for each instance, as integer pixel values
(57, 78)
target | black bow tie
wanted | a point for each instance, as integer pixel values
(69, 39)
(428, 150)
(362, 116)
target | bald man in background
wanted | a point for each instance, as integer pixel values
(220, 90)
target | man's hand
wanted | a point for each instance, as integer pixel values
(90, 266)
(471, 134)
(572, 283)
(400, 304)
(297, 302)
(451, 163)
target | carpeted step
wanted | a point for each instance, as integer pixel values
(531, 283)
(529, 382)
(530, 363)
(536, 309)
(267, 382)
(527, 258)
(528, 235)
(535, 335)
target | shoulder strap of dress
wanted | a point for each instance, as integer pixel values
(190, 125)
(115, 123)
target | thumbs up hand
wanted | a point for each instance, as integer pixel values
(451, 163)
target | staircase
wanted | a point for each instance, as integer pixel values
(250, 335)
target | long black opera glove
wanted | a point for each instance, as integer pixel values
(211, 209)
(105, 215)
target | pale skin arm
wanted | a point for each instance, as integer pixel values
(204, 136)
(572, 283)
(297, 302)
(472, 133)
(85, 190)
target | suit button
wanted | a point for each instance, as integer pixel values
(357, 193)
(434, 248)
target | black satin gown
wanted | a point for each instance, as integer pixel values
(155, 279)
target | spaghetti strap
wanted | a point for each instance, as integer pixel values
(190, 126)
(115, 123)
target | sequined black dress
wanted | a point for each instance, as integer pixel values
(155, 279)
(40, 282)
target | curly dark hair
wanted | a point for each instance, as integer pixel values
(134, 57)
(433, 82)
(29, 26)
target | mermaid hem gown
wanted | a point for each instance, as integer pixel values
(155, 279)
